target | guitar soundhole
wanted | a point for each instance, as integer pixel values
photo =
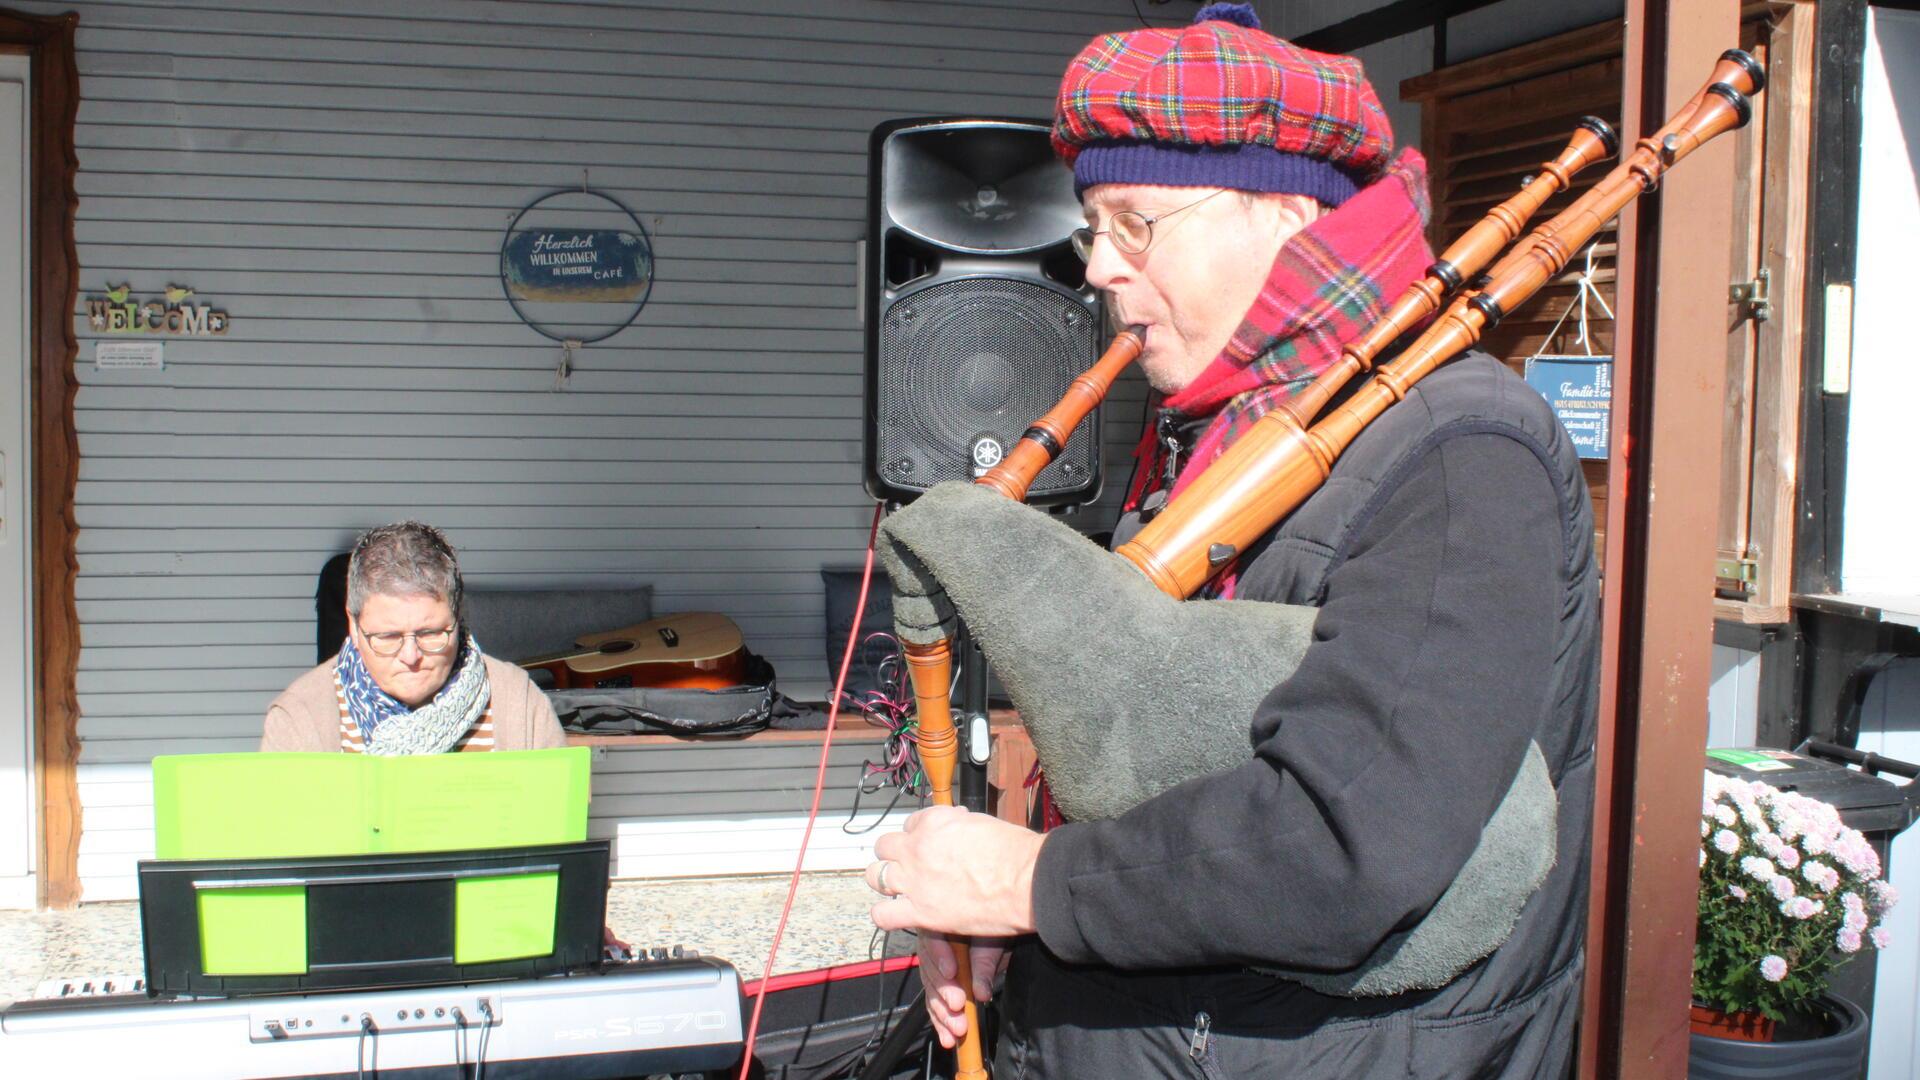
(619, 645)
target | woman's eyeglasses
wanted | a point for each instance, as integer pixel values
(389, 643)
(1131, 230)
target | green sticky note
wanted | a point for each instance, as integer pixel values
(509, 917)
(259, 931)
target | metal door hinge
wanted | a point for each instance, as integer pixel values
(1752, 296)
(1735, 579)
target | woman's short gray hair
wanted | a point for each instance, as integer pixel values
(408, 558)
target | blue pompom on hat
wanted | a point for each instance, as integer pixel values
(1240, 14)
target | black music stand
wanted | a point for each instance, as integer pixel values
(371, 920)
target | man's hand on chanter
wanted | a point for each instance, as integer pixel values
(955, 873)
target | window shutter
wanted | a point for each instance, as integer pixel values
(1486, 124)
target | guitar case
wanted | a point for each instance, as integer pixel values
(751, 706)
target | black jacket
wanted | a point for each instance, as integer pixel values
(1450, 554)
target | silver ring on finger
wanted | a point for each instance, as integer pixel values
(880, 886)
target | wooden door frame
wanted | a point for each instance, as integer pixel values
(52, 163)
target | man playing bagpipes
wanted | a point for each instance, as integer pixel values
(1332, 820)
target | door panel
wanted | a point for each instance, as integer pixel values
(17, 801)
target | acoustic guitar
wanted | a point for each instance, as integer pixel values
(694, 650)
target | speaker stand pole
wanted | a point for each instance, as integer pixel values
(976, 739)
(912, 1030)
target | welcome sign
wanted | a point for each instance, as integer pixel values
(118, 312)
(577, 265)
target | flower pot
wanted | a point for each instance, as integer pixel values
(1740, 1026)
(1839, 1054)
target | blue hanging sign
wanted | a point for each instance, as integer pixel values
(577, 265)
(1580, 389)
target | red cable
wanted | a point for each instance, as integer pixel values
(819, 785)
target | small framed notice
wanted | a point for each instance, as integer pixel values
(1580, 389)
(148, 355)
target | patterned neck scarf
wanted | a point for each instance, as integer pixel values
(389, 728)
(1329, 282)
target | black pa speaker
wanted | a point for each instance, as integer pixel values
(978, 312)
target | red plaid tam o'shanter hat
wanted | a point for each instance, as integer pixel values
(1220, 103)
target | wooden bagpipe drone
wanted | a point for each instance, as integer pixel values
(942, 574)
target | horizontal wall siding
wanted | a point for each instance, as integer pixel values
(339, 183)
(696, 809)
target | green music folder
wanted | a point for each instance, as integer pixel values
(240, 806)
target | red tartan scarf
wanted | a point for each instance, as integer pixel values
(1329, 282)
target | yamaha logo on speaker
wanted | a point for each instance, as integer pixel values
(986, 453)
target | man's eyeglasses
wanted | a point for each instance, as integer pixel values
(390, 642)
(1131, 230)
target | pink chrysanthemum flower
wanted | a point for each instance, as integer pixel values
(1788, 858)
(1781, 887)
(1757, 868)
(1857, 856)
(1880, 938)
(1725, 815)
(1848, 940)
(1773, 968)
(1801, 907)
(1726, 841)
(1784, 822)
(1821, 876)
(1737, 892)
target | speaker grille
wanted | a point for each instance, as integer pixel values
(973, 360)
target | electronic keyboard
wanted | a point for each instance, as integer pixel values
(661, 1015)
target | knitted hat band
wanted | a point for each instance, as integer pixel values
(1242, 167)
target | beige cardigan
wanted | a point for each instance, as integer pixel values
(306, 716)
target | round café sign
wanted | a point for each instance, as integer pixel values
(576, 265)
